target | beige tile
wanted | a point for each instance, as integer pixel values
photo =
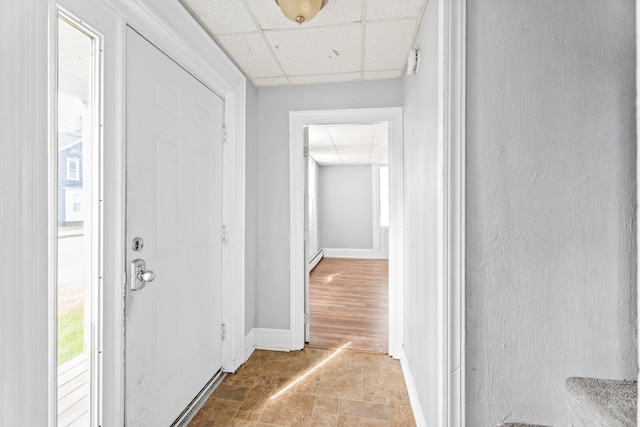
(401, 416)
(373, 385)
(341, 387)
(359, 422)
(242, 423)
(256, 399)
(309, 385)
(289, 409)
(327, 405)
(397, 396)
(323, 419)
(230, 392)
(261, 356)
(215, 412)
(351, 389)
(366, 410)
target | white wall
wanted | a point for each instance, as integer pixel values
(345, 217)
(23, 226)
(251, 206)
(420, 233)
(274, 105)
(551, 265)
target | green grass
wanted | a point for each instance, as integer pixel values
(70, 335)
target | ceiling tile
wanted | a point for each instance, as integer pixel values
(325, 78)
(378, 75)
(387, 44)
(354, 159)
(318, 132)
(270, 17)
(355, 149)
(222, 16)
(323, 149)
(252, 54)
(353, 141)
(320, 142)
(345, 131)
(270, 81)
(326, 159)
(385, 9)
(318, 51)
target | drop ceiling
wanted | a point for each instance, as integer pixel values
(350, 144)
(349, 40)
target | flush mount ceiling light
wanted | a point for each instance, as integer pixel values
(301, 10)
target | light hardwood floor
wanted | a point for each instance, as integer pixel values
(349, 302)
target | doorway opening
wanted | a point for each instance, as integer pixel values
(346, 236)
(300, 122)
(78, 227)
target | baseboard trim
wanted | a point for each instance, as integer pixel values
(272, 339)
(355, 253)
(316, 259)
(249, 344)
(418, 413)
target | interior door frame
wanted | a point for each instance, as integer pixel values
(172, 29)
(297, 122)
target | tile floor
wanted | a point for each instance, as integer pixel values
(345, 389)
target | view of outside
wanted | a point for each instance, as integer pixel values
(74, 246)
(75, 139)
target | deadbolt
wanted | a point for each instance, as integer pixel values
(137, 244)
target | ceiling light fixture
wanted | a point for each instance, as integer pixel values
(301, 10)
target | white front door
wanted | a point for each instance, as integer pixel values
(174, 204)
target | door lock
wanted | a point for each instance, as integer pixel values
(139, 276)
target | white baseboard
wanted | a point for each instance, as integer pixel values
(418, 413)
(355, 253)
(316, 259)
(272, 339)
(249, 344)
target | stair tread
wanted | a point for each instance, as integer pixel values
(602, 400)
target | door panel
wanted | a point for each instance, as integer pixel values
(174, 203)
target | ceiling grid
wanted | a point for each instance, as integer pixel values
(349, 40)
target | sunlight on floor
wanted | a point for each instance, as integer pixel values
(310, 371)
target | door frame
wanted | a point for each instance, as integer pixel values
(171, 28)
(297, 121)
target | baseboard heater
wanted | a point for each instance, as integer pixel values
(315, 259)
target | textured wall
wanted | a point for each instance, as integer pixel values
(273, 107)
(345, 217)
(551, 265)
(420, 227)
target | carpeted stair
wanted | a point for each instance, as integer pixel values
(602, 403)
(598, 403)
(520, 425)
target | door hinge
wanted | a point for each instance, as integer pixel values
(306, 318)
(223, 331)
(225, 233)
(305, 151)
(224, 134)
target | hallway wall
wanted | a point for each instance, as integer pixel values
(273, 107)
(345, 214)
(420, 338)
(550, 251)
(251, 206)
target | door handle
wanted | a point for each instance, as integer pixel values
(139, 276)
